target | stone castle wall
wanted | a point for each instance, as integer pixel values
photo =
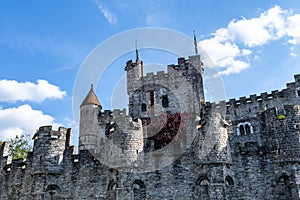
(246, 148)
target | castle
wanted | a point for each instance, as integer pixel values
(171, 145)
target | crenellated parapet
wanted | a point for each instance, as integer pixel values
(249, 107)
(123, 138)
(268, 97)
(107, 116)
(255, 99)
(48, 150)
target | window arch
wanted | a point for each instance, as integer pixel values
(112, 186)
(203, 188)
(247, 129)
(139, 190)
(111, 193)
(241, 129)
(229, 181)
(53, 189)
(244, 129)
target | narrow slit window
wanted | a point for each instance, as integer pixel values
(242, 132)
(151, 98)
(165, 101)
(248, 129)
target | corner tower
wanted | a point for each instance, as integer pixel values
(89, 127)
(134, 73)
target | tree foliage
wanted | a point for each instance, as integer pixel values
(19, 146)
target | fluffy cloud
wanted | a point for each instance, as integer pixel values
(258, 31)
(109, 16)
(22, 120)
(293, 29)
(12, 91)
(230, 47)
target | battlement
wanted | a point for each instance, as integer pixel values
(183, 64)
(115, 113)
(254, 99)
(264, 97)
(46, 132)
(130, 64)
(295, 83)
(120, 117)
(158, 75)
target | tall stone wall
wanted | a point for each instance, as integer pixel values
(249, 150)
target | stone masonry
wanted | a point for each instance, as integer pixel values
(171, 145)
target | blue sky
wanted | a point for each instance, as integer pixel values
(255, 44)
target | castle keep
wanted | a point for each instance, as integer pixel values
(171, 145)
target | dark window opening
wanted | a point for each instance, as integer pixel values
(151, 98)
(139, 190)
(248, 130)
(144, 107)
(242, 130)
(298, 93)
(165, 101)
(229, 181)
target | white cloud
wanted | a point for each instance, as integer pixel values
(22, 120)
(293, 29)
(258, 31)
(225, 54)
(109, 16)
(231, 47)
(12, 91)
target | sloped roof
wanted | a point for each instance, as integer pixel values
(91, 99)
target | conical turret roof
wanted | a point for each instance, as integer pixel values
(91, 99)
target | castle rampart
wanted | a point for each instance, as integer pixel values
(245, 148)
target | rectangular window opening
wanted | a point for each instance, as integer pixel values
(151, 98)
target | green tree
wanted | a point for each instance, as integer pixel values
(19, 146)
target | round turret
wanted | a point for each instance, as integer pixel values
(89, 127)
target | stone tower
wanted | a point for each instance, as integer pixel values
(89, 126)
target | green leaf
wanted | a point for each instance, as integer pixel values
(19, 146)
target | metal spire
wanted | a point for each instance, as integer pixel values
(92, 87)
(195, 43)
(136, 51)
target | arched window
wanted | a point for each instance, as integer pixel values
(139, 190)
(203, 188)
(229, 181)
(53, 190)
(111, 193)
(244, 129)
(247, 129)
(112, 186)
(241, 128)
(165, 101)
(283, 188)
